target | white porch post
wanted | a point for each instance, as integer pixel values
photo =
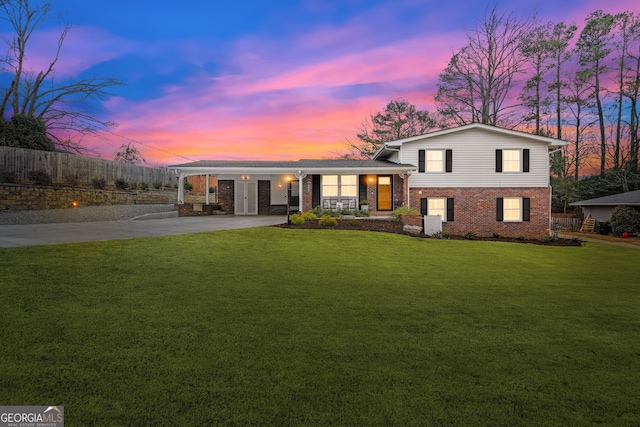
(206, 189)
(300, 175)
(181, 189)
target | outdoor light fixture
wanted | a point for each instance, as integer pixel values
(74, 204)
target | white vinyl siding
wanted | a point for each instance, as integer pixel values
(474, 152)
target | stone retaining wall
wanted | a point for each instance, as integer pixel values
(17, 197)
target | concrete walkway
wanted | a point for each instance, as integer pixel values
(52, 234)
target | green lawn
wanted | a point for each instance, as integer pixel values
(274, 326)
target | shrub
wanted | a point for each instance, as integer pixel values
(157, 185)
(308, 215)
(361, 214)
(133, 185)
(99, 183)
(403, 210)
(40, 177)
(144, 185)
(549, 239)
(187, 186)
(441, 235)
(72, 180)
(168, 185)
(122, 184)
(9, 177)
(496, 235)
(317, 211)
(470, 235)
(625, 218)
(344, 211)
(296, 219)
(328, 221)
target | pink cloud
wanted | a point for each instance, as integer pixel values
(83, 48)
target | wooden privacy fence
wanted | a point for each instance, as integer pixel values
(64, 166)
(566, 222)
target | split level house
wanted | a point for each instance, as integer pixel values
(476, 178)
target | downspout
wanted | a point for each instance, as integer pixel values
(206, 189)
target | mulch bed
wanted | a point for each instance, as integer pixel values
(387, 226)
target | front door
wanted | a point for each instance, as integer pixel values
(246, 198)
(385, 193)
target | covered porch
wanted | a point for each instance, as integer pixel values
(270, 188)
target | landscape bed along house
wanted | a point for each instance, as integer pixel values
(469, 179)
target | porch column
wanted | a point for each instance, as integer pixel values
(206, 189)
(181, 189)
(300, 175)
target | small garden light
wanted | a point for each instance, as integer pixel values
(74, 204)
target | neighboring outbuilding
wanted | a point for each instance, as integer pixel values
(601, 208)
(477, 178)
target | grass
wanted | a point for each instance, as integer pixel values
(321, 327)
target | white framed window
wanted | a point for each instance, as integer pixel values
(330, 185)
(349, 185)
(437, 206)
(339, 185)
(511, 161)
(512, 209)
(435, 161)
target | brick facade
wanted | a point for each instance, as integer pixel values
(264, 201)
(475, 210)
(226, 196)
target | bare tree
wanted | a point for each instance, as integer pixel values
(476, 84)
(580, 102)
(631, 87)
(593, 46)
(536, 48)
(129, 154)
(39, 94)
(399, 119)
(559, 50)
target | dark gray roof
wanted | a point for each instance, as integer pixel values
(298, 164)
(630, 198)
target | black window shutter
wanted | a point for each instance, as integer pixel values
(315, 190)
(424, 207)
(498, 160)
(450, 215)
(525, 160)
(526, 209)
(499, 208)
(449, 160)
(362, 189)
(421, 161)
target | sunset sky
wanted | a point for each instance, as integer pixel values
(264, 80)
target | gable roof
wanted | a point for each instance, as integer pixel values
(393, 146)
(630, 198)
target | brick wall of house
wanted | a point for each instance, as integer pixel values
(264, 201)
(475, 210)
(226, 194)
(307, 184)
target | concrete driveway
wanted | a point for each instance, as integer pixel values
(52, 234)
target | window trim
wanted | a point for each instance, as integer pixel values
(449, 207)
(524, 209)
(524, 161)
(338, 185)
